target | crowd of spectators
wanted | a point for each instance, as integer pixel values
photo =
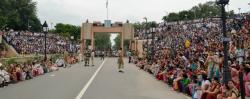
(33, 43)
(17, 72)
(188, 56)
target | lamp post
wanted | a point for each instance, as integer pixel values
(146, 32)
(226, 71)
(249, 6)
(153, 30)
(72, 47)
(239, 10)
(195, 14)
(210, 13)
(45, 31)
(166, 16)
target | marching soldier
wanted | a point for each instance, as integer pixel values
(66, 59)
(87, 57)
(120, 61)
(102, 55)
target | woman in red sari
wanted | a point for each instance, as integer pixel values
(18, 71)
(212, 91)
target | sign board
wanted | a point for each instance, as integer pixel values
(107, 23)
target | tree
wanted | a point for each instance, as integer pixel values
(102, 41)
(118, 43)
(68, 30)
(152, 24)
(206, 10)
(138, 26)
(172, 17)
(19, 15)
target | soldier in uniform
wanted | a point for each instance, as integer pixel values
(66, 58)
(87, 57)
(120, 61)
(102, 55)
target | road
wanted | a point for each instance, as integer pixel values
(103, 81)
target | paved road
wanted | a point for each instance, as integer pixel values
(106, 84)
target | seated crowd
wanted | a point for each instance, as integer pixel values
(24, 71)
(188, 57)
(33, 43)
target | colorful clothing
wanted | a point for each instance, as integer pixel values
(247, 86)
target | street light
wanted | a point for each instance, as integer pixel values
(239, 10)
(146, 32)
(152, 30)
(226, 71)
(72, 47)
(45, 31)
(210, 13)
(248, 3)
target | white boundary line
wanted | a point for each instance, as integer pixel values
(82, 92)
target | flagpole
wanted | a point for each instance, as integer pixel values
(107, 9)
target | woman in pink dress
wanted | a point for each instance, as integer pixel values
(235, 76)
(247, 80)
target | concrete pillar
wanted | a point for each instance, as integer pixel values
(122, 43)
(92, 40)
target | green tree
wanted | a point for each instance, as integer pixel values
(206, 10)
(102, 41)
(138, 26)
(117, 41)
(172, 17)
(68, 30)
(19, 15)
(152, 24)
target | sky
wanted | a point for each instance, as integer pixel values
(78, 11)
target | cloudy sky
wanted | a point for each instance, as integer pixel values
(77, 11)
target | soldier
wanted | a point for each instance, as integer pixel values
(102, 55)
(66, 58)
(86, 57)
(120, 61)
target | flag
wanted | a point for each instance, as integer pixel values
(107, 3)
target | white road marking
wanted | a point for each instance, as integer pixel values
(82, 92)
(52, 75)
